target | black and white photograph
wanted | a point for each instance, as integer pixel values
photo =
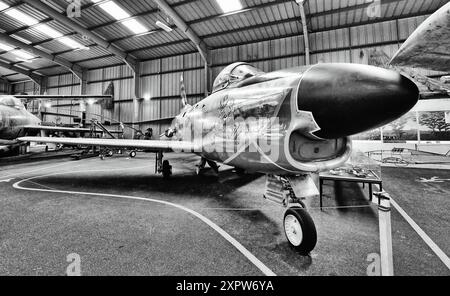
(218, 145)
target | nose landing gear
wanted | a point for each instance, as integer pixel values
(298, 225)
(300, 230)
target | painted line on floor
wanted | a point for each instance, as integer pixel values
(252, 258)
(434, 247)
(36, 170)
(79, 163)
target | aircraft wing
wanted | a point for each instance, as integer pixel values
(170, 146)
(64, 129)
(428, 47)
(7, 142)
(63, 97)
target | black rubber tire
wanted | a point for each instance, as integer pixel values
(133, 154)
(166, 169)
(240, 172)
(308, 228)
(199, 171)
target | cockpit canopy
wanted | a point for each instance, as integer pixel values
(234, 74)
(11, 101)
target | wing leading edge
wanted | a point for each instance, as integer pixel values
(168, 146)
(63, 97)
(64, 129)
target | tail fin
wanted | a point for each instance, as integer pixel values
(183, 92)
(109, 102)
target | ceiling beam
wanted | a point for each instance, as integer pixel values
(287, 20)
(294, 19)
(354, 7)
(61, 18)
(187, 30)
(36, 78)
(190, 23)
(5, 80)
(200, 20)
(88, 6)
(303, 20)
(74, 68)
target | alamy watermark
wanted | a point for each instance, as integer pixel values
(374, 268)
(74, 267)
(74, 9)
(374, 9)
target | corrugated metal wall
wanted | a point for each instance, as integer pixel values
(4, 88)
(27, 87)
(160, 88)
(62, 85)
(160, 78)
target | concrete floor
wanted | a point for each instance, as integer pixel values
(115, 235)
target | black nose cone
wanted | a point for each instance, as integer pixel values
(347, 99)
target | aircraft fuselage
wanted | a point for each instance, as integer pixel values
(12, 122)
(296, 120)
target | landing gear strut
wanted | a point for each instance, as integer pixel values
(166, 169)
(201, 167)
(162, 166)
(298, 225)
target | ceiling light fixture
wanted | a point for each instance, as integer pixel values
(5, 47)
(22, 17)
(164, 26)
(3, 6)
(48, 31)
(21, 39)
(21, 55)
(135, 26)
(72, 43)
(114, 10)
(229, 5)
(120, 14)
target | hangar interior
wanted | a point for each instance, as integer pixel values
(136, 51)
(267, 34)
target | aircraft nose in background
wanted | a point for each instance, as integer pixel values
(347, 99)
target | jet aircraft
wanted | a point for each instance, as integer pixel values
(16, 121)
(13, 118)
(288, 124)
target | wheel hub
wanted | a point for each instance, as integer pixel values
(293, 230)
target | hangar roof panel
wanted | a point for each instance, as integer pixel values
(260, 20)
